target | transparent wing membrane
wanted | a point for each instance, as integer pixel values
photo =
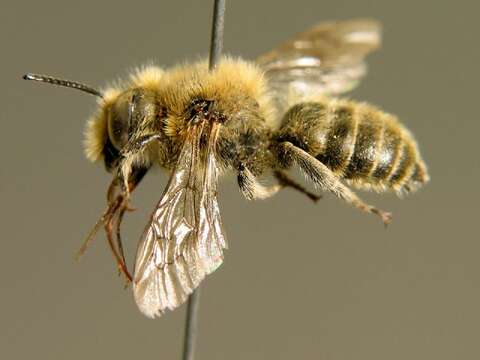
(327, 59)
(184, 240)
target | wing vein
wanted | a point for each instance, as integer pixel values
(184, 240)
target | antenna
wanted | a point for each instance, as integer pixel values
(62, 82)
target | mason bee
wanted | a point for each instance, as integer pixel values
(249, 118)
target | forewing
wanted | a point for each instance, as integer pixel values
(184, 240)
(328, 59)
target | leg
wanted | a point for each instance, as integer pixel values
(327, 180)
(113, 216)
(140, 142)
(107, 220)
(126, 169)
(122, 199)
(285, 181)
(251, 188)
(121, 213)
(118, 254)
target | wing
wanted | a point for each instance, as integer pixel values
(184, 240)
(327, 59)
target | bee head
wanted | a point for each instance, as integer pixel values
(122, 116)
(119, 115)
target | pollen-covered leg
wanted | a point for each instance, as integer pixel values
(322, 176)
(285, 181)
(251, 188)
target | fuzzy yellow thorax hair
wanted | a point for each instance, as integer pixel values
(231, 79)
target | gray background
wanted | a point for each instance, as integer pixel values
(300, 281)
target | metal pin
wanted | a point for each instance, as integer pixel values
(216, 45)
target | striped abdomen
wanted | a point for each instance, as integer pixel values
(358, 142)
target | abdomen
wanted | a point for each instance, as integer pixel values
(358, 142)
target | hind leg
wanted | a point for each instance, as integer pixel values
(322, 176)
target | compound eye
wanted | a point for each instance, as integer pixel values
(121, 119)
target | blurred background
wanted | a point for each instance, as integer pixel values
(300, 281)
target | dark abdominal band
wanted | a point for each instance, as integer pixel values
(367, 146)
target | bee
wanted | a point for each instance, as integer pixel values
(250, 119)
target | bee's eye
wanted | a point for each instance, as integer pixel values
(131, 108)
(122, 118)
(118, 125)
